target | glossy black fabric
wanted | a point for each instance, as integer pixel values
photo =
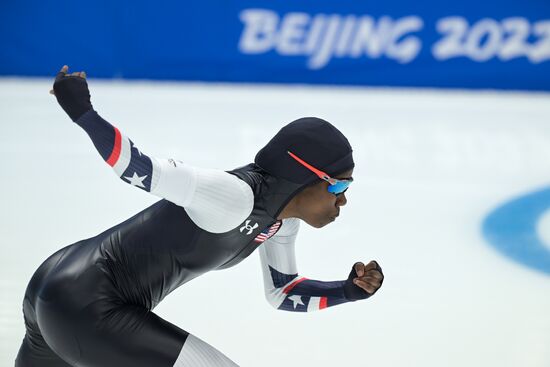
(75, 316)
(90, 303)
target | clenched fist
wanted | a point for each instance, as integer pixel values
(71, 91)
(363, 281)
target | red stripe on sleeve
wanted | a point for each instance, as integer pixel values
(323, 303)
(293, 284)
(115, 154)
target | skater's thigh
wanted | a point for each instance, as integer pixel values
(131, 335)
(34, 352)
(124, 335)
(134, 336)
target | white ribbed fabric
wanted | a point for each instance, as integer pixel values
(215, 200)
(279, 253)
(196, 353)
(175, 181)
(221, 201)
(155, 175)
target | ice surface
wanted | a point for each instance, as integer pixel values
(430, 164)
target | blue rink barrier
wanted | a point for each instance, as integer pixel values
(466, 44)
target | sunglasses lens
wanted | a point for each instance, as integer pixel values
(339, 187)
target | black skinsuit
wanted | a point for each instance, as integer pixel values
(91, 301)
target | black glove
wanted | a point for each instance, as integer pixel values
(72, 94)
(354, 292)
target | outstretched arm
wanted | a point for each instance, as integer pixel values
(137, 168)
(116, 149)
(216, 200)
(286, 290)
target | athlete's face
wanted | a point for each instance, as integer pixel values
(318, 207)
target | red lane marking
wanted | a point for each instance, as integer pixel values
(115, 154)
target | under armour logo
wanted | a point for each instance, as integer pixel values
(249, 227)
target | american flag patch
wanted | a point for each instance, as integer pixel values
(268, 232)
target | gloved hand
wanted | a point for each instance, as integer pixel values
(363, 281)
(71, 91)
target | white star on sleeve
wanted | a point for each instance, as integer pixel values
(297, 300)
(136, 180)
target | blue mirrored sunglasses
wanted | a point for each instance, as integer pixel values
(336, 186)
(340, 186)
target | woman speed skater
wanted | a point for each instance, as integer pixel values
(91, 303)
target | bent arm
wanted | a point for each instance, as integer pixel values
(284, 288)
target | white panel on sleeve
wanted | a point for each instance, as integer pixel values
(125, 156)
(215, 200)
(174, 181)
(289, 228)
(221, 202)
(196, 353)
(313, 304)
(279, 253)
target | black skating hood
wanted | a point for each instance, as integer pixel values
(280, 177)
(314, 140)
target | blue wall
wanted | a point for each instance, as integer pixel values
(471, 44)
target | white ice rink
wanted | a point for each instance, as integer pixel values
(430, 165)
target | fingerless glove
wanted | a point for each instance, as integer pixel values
(72, 95)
